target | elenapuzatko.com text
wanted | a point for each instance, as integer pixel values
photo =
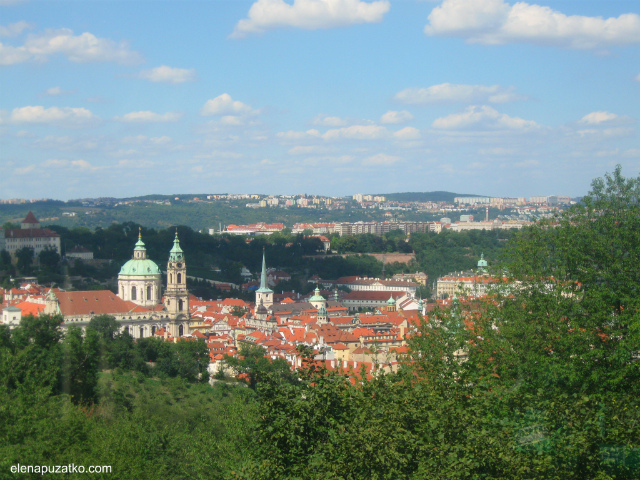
(70, 468)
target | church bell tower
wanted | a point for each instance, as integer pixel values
(176, 297)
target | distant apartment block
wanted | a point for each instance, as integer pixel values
(380, 228)
(254, 229)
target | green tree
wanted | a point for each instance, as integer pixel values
(49, 259)
(80, 363)
(25, 260)
(252, 364)
(106, 326)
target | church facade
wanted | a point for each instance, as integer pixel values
(139, 306)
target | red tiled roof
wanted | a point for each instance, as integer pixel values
(94, 302)
(372, 295)
(30, 218)
(29, 233)
(30, 308)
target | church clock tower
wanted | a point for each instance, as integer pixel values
(176, 297)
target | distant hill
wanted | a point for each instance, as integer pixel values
(427, 196)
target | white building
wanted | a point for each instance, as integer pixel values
(31, 235)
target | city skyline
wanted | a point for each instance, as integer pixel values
(328, 97)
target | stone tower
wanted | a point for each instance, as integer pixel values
(176, 297)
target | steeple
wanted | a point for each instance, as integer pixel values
(140, 251)
(482, 264)
(176, 298)
(176, 254)
(264, 294)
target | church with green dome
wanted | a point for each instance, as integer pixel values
(140, 279)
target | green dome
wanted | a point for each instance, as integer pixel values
(317, 297)
(140, 267)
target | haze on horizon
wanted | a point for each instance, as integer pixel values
(326, 97)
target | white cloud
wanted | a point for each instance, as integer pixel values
(328, 121)
(82, 48)
(449, 92)
(394, 117)
(309, 15)
(380, 159)
(144, 140)
(357, 132)
(495, 22)
(596, 118)
(407, 133)
(167, 74)
(147, 116)
(292, 135)
(14, 29)
(52, 115)
(482, 118)
(225, 105)
(57, 91)
(77, 164)
(303, 150)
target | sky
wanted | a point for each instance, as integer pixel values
(322, 97)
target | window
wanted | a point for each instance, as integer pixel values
(180, 305)
(148, 292)
(179, 278)
(133, 293)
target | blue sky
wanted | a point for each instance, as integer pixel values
(333, 97)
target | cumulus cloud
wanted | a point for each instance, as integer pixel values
(165, 74)
(357, 132)
(450, 92)
(328, 121)
(482, 118)
(495, 22)
(225, 105)
(148, 117)
(144, 140)
(52, 115)
(380, 159)
(56, 91)
(394, 117)
(309, 15)
(596, 118)
(82, 48)
(407, 133)
(293, 135)
(14, 29)
(81, 164)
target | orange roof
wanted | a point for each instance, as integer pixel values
(94, 302)
(30, 308)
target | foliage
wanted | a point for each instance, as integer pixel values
(252, 364)
(539, 381)
(24, 261)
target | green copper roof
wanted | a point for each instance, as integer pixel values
(317, 297)
(176, 252)
(322, 310)
(140, 267)
(482, 263)
(140, 244)
(263, 278)
(391, 301)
